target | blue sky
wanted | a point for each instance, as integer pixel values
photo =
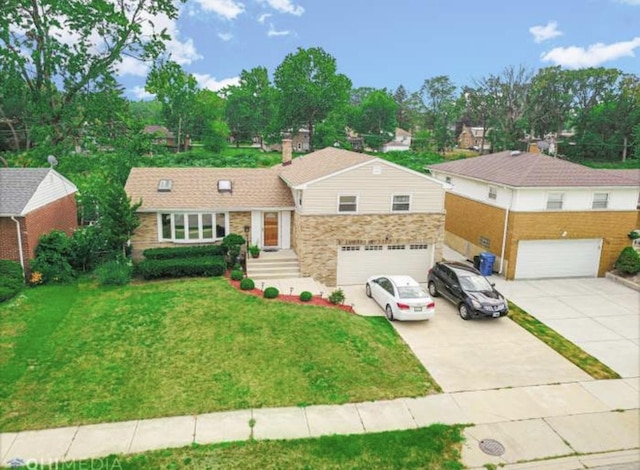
(381, 43)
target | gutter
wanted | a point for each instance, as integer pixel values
(19, 243)
(504, 232)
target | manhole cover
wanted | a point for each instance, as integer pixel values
(491, 447)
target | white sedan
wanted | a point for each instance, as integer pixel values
(401, 297)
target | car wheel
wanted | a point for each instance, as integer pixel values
(464, 312)
(389, 312)
(367, 290)
(433, 290)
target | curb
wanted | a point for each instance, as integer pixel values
(623, 281)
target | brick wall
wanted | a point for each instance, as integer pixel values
(316, 238)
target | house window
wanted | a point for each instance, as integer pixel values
(373, 248)
(401, 203)
(493, 193)
(396, 247)
(419, 246)
(347, 203)
(554, 201)
(194, 227)
(350, 248)
(600, 201)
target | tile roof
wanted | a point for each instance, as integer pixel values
(17, 187)
(196, 189)
(531, 170)
(318, 164)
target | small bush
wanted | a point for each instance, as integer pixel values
(52, 258)
(306, 296)
(270, 293)
(184, 252)
(233, 243)
(181, 267)
(247, 284)
(628, 261)
(336, 297)
(11, 279)
(114, 273)
(237, 275)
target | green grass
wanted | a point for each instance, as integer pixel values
(560, 344)
(435, 447)
(85, 354)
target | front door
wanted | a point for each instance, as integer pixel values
(270, 224)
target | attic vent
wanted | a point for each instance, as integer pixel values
(515, 153)
(224, 186)
(377, 170)
(164, 186)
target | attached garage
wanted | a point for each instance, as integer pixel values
(538, 259)
(356, 263)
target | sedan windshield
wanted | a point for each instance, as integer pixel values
(475, 284)
(412, 292)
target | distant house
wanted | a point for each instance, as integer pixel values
(33, 202)
(300, 142)
(472, 138)
(164, 137)
(401, 141)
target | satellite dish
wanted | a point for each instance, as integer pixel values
(53, 161)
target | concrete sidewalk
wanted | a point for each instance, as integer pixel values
(531, 423)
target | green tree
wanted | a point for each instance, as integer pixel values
(61, 49)
(117, 217)
(442, 109)
(375, 118)
(308, 89)
(217, 136)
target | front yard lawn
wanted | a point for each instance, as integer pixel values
(79, 354)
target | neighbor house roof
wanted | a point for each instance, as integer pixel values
(402, 133)
(160, 130)
(18, 186)
(319, 164)
(523, 169)
(197, 189)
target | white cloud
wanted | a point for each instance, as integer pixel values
(542, 33)
(207, 81)
(132, 66)
(140, 93)
(225, 36)
(228, 9)
(263, 17)
(630, 2)
(596, 54)
(273, 32)
(285, 6)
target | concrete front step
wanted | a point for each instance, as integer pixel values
(281, 264)
(268, 276)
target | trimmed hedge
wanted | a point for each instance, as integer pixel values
(628, 261)
(270, 293)
(11, 279)
(184, 252)
(247, 284)
(306, 296)
(237, 275)
(181, 267)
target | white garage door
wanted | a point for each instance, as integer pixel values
(357, 263)
(539, 259)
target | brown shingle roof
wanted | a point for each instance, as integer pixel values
(196, 189)
(318, 164)
(530, 170)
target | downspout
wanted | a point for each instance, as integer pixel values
(504, 232)
(19, 243)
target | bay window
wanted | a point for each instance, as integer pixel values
(192, 226)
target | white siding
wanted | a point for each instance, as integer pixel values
(285, 230)
(52, 188)
(374, 190)
(256, 228)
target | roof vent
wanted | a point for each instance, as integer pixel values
(164, 186)
(515, 153)
(224, 186)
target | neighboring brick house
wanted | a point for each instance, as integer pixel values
(33, 202)
(543, 217)
(474, 138)
(346, 215)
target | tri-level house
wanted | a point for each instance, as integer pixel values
(346, 215)
(542, 217)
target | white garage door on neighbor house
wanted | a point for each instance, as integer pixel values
(356, 263)
(539, 259)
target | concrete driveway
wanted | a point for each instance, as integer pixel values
(476, 354)
(599, 315)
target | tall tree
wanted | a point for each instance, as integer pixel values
(375, 118)
(443, 109)
(62, 48)
(309, 88)
(405, 114)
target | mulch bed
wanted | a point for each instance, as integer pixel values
(293, 299)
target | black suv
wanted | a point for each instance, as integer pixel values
(463, 285)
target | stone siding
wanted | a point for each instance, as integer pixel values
(318, 238)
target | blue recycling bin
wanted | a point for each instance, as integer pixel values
(486, 263)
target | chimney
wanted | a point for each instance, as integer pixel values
(287, 149)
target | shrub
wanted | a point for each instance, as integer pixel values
(181, 267)
(306, 296)
(237, 275)
(52, 258)
(184, 252)
(115, 273)
(270, 293)
(232, 244)
(336, 297)
(247, 284)
(11, 279)
(628, 261)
